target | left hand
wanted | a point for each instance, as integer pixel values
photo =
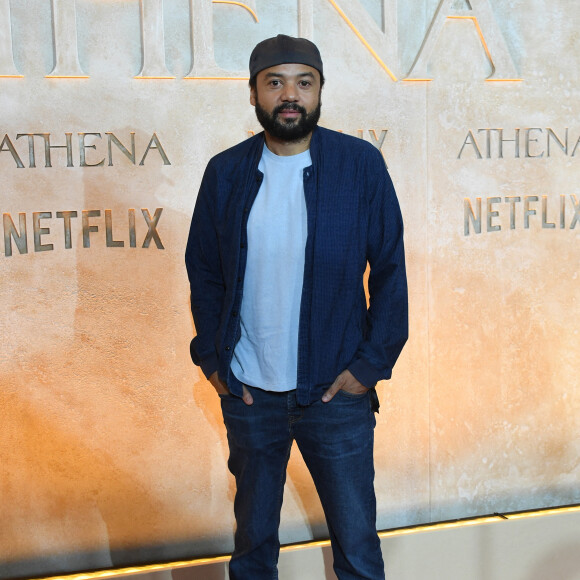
(344, 382)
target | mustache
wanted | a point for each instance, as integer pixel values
(289, 107)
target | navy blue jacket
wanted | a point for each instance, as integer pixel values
(353, 218)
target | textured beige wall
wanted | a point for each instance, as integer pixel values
(112, 448)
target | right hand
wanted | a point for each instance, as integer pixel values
(222, 389)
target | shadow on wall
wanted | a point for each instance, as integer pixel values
(100, 495)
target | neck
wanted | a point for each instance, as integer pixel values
(287, 148)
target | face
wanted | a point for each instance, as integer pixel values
(287, 100)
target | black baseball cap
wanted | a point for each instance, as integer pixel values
(284, 49)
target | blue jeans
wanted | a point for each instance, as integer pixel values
(336, 442)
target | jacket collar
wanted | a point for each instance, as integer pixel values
(315, 146)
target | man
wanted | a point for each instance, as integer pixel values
(282, 231)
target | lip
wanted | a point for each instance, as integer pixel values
(289, 113)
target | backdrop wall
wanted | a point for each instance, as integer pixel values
(112, 448)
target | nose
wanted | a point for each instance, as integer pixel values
(289, 94)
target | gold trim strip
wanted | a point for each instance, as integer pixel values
(493, 518)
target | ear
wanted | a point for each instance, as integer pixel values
(252, 96)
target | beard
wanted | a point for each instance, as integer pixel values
(290, 129)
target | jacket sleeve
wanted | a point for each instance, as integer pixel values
(387, 320)
(202, 259)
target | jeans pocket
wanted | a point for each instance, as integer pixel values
(353, 395)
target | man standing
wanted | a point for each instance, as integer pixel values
(282, 231)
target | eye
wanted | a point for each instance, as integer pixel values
(305, 84)
(275, 83)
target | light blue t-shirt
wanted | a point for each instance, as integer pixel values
(266, 356)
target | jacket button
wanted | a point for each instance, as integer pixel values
(242, 246)
(234, 314)
(228, 348)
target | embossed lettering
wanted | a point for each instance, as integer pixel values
(87, 227)
(111, 243)
(10, 233)
(530, 138)
(7, 66)
(64, 25)
(491, 213)
(512, 200)
(7, 145)
(528, 211)
(552, 137)
(306, 19)
(472, 218)
(204, 64)
(576, 218)
(83, 147)
(39, 231)
(132, 231)
(382, 44)
(515, 141)
(154, 143)
(19, 235)
(66, 217)
(545, 223)
(153, 41)
(380, 41)
(470, 140)
(152, 233)
(378, 141)
(481, 14)
(86, 158)
(113, 139)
